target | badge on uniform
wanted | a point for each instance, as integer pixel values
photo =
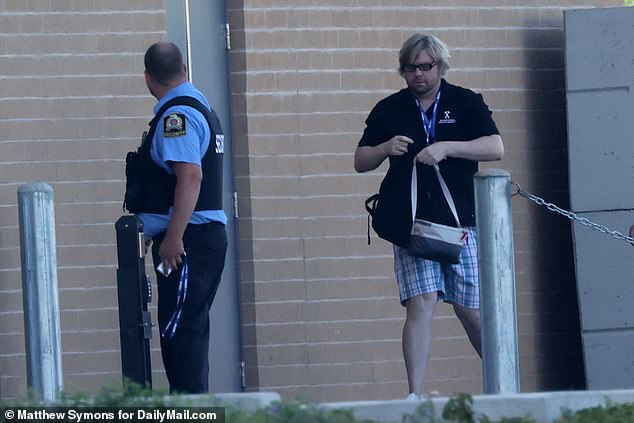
(174, 125)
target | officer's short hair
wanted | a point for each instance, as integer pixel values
(164, 62)
(438, 51)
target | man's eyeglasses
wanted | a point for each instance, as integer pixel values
(423, 67)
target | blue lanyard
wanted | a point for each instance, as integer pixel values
(180, 303)
(430, 126)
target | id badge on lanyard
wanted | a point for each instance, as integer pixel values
(430, 125)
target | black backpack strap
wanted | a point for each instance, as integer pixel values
(370, 203)
(370, 206)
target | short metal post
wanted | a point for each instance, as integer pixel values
(39, 290)
(500, 358)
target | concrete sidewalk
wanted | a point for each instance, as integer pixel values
(543, 407)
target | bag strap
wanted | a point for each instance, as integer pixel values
(445, 190)
(370, 206)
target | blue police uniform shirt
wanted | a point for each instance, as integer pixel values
(188, 147)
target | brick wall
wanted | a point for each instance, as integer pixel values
(320, 311)
(73, 102)
(320, 315)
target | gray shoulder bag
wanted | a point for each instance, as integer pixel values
(434, 241)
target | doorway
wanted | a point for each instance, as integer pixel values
(198, 28)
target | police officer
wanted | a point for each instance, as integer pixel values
(179, 200)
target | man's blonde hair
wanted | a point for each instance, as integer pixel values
(438, 51)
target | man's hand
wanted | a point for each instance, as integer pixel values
(147, 241)
(432, 154)
(397, 146)
(370, 157)
(171, 252)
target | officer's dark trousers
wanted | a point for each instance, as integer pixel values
(185, 355)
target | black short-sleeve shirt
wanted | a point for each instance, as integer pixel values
(462, 115)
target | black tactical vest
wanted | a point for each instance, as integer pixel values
(150, 188)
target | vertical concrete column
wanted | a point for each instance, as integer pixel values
(500, 362)
(39, 290)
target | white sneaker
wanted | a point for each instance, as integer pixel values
(412, 397)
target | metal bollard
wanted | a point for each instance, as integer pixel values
(500, 357)
(39, 290)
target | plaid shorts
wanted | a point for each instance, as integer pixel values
(454, 283)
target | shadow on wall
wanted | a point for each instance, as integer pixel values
(557, 345)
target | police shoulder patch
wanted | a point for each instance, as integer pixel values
(174, 125)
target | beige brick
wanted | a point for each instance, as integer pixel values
(343, 352)
(79, 319)
(281, 269)
(96, 362)
(350, 288)
(13, 386)
(336, 226)
(13, 366)
(12, 344)
(272, 187)
(282, 333)
(10, 258)
(284, 354)
(281, 312)
(352, 331)
(303, 80)
(365, 309)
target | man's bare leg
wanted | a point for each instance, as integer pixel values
(417, 339)
(470, 319)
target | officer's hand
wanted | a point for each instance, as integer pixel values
(397, 146)
(147, 241)
(171, 252)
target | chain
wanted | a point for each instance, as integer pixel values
(570, 215)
